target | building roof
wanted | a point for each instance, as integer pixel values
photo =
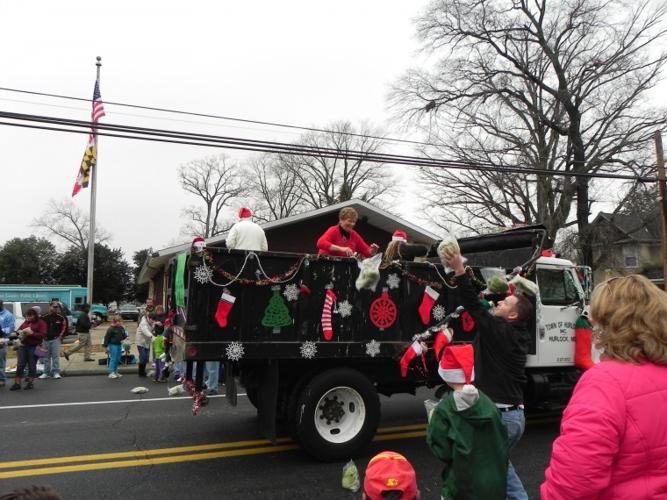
(634, 228)
(374, 216)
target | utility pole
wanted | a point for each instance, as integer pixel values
(93, 205)
(660, 157)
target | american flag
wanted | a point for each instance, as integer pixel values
(98, 109)
(90, 154)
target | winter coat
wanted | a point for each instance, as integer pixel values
(38, 334)
(114, 335)
(144, 333)
(473, 444)
(613, 436)
(335, 236)
(246, 235)
(158, 346)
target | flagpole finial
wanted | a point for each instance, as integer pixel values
(99, 61)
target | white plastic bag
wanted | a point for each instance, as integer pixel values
(447, 248)
(350, 480)
(369, 272)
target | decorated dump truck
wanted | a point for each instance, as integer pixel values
(313, 351)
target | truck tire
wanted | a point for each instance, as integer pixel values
(337, 414)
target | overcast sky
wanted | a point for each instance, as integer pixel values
(300, 62)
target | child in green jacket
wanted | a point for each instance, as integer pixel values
(158, 355)
(466, 432)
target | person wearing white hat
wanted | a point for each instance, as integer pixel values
(466, 432)
(246, 234)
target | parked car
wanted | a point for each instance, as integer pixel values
(129, 311)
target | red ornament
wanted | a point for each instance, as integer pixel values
(467, 323)
(383, 311)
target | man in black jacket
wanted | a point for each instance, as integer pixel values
(83, 329)
(56, 326)
(501, 348)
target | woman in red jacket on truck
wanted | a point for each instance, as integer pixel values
(32, 332)
(342, 240)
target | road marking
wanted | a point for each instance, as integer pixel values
(148, 457)
(118, 401)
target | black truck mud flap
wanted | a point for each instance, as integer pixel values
(267, 401)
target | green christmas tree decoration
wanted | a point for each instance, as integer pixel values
(276, 314)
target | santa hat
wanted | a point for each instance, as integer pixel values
(399, 236)
(245, 213)
(199, 243)
(457, 365)
(390, 471)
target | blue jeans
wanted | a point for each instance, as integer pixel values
(52, 358)
(26, 357)
(144, 352)
(3, 361)
(115, 352)
(516, 423)
(212, 373)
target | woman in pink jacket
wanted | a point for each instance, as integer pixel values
(613, 440)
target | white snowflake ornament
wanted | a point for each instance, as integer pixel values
(393, 281)
(438, 313)
(308, 349)
(291, 292)
(373, 348)
(203, 275)
(344, 309)
(234, 351)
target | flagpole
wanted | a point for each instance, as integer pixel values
(93, 201)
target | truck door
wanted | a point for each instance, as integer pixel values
(561, 301)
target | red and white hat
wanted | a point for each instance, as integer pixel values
(390, 471)
(245, 213)
(457, 365)
(199, 244)
(399, 236)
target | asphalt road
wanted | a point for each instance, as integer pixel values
(95, 439)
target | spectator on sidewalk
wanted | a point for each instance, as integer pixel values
(149, 308)
(212, 374)
(82, 328)
(56, 327)
(31, 333)
(144, 339)
(113, 345)
(613, 439)
(158, 353)
(6, 327)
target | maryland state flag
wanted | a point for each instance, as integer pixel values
(87, 164)
(90, 155)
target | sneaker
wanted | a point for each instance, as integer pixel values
(211, 392)
(43, 375)
(118, 375)
(15, 387)
(66, 354)
(113, 375)
(28, 386)
(56, 375)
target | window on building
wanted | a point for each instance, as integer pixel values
(557, 287)
(630, 256)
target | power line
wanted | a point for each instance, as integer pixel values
(219, 117)
(197, 139)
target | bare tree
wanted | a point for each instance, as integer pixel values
(66, 221)
(556, 86)
(275, 187)
(216, 181)
(325, 181)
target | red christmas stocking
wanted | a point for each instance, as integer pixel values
(430, 296)
(224, 307)
(413, 351)
(442, 340)
(583, 341)
(327, 329)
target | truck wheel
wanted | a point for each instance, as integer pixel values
(337, 414)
